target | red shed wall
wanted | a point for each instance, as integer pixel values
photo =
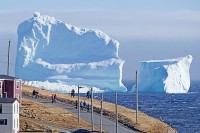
(9, 88)
(13, 89)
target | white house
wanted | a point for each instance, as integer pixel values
(9, 115)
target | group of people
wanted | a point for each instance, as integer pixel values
(35, 94)
(83, 105)
(88, 94)
(53, 98)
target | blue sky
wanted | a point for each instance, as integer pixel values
(162, 5)
(146, 29)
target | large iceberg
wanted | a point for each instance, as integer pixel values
(51, 51)
(165, 76)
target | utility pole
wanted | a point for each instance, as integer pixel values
(116, 112)
(92, 122)
(79, 103)
(8, 58)
(101, 112)
(136, 92)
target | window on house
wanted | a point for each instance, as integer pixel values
(3, 121)
(14, 108)
(17, 85)
(17, 123)
(5, 95)
(17, 109)
(1, 109)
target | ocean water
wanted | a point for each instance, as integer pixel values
(181, 111)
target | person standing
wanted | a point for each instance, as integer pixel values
(81, 104)
(52, 98)
(88, 107)
(55, 98)
(88, 94)
(73, 92)
(84, 105)
(33, 94)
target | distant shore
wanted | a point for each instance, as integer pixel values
(126, 116)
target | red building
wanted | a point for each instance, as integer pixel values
(10, 87)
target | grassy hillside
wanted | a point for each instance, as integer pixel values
(126, 116)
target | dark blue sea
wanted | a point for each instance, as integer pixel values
(181, 111)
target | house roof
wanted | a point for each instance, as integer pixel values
(5, 77)
(7, 100)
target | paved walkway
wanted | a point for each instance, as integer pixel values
(108, 125)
